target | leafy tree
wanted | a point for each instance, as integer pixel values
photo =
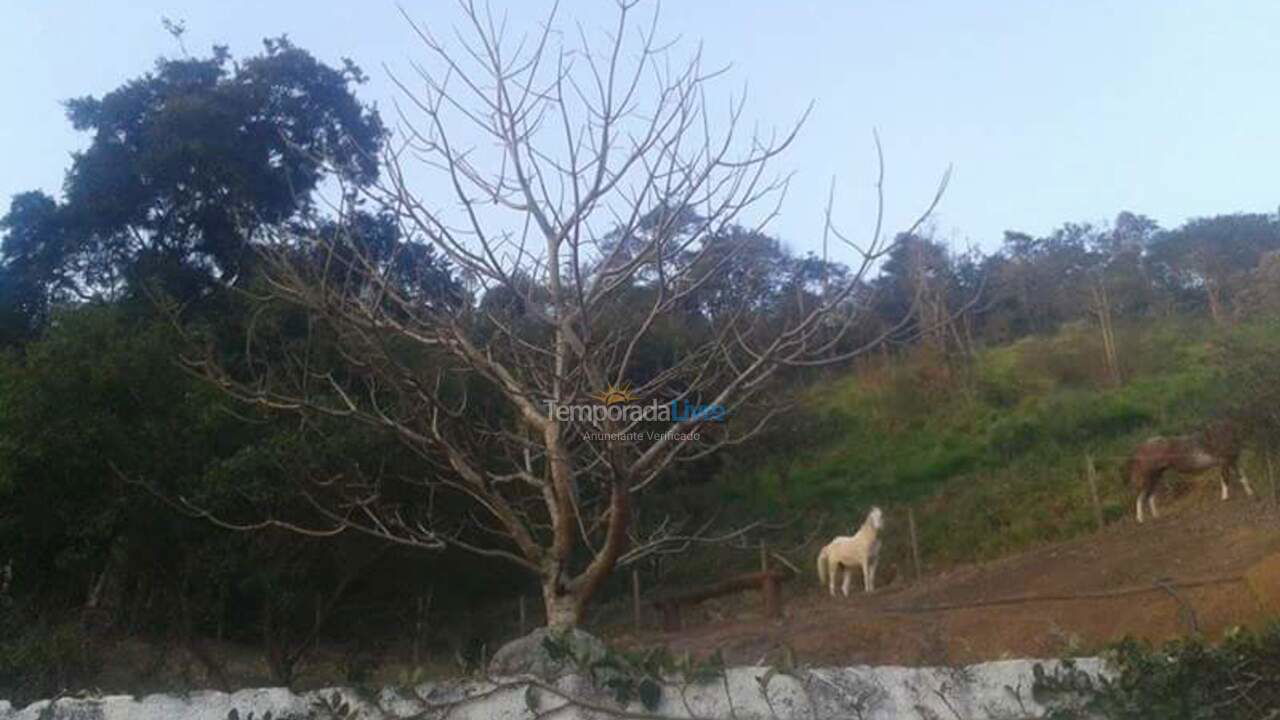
(918, 282)
(96, 400)
(1210, 256)
(184, 168)
(1026, 283)
(30, 277)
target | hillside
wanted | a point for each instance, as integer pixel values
(991, 454)
(960, 616)
(991, 459)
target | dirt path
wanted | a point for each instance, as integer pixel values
(1197, 538)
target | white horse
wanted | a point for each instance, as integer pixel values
(861, 549)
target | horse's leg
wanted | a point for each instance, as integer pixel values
(1146, 492)
(1224, 474)
(848, 580)
(833, 569)
(1145, 482)
(871, 574)
(1153, 487)
(1248, 489)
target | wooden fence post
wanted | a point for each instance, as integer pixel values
(420, 623)
(635, 597)
(417, 635)
(915, 543)
(1092, 474)
(769, 585)
(222, 609)
(315, 648)
(772, 605)
(1271, 476)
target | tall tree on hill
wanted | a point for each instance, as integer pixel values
(1027, 283)
(184, 170)
(185, 167)
(1260, 294)
(30, 278)
(598, 201)
(1211, 256)
(924, 280)
(1100, 271)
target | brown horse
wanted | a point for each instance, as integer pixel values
(1216, 446)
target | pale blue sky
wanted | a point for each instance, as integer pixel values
(1049, 112)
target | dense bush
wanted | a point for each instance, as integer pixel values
(39, 659)
(1190, 679)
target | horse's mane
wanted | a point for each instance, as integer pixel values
(867, 521)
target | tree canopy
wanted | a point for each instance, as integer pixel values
(184, 166)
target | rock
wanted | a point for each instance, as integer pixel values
(548, 653)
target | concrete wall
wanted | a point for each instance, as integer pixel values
(989, 691)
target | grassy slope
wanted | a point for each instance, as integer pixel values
(992, 458)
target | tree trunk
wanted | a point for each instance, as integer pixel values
(1109, 346)
(564, 608)
(1215, 303)
(566, 598)
(1101, 308)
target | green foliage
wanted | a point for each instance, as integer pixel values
(634, 675)
(95, 403)
(183, 166)
(98, 422)
(1185, 680)
(1210, 255)
(40, 659)
(334, 706)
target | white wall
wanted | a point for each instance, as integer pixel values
(989, 691)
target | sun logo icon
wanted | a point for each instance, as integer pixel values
(617, 395)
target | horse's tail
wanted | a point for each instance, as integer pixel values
(822, 567)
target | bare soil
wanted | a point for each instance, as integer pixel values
(1197, 537)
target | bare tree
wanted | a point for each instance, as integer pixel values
(1115, 279)
(594, 198)
(1103, 310)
